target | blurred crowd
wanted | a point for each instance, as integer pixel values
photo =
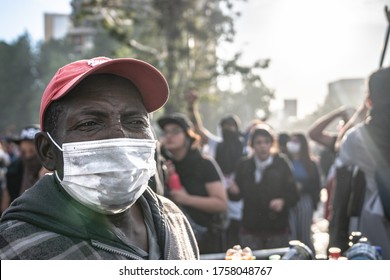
(254, 186)
(259, 187)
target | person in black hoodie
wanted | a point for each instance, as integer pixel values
(265, 182)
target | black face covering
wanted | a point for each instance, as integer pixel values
(229, 151)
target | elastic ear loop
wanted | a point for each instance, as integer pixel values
(55, 143)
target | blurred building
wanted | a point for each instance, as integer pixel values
(56, 26)
(290, 107)
(60, 26)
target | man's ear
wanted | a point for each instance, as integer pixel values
(368, 102)
(45, 151)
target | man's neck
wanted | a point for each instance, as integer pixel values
(130, 226)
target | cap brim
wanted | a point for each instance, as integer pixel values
(151, 84)
(163, 121)
(13, 140)
(18, 141)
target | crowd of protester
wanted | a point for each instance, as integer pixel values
(273, 180)
(258, 188)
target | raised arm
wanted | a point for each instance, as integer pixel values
(358, 117)
(193, 113)
(317, 131)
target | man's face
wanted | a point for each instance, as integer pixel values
(103, 107)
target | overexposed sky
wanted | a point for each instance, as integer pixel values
(18, 16)
(310, 42)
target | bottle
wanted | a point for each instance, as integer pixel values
(298, 251)
(174, 183)
(334, 253)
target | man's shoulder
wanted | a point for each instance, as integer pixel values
(168, 204)
(18, 238)
(21, 240)
(172, 212)
(17, 229)
(13, 231)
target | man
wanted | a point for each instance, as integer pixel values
(367, 146)
(97, 139)
(25, 170)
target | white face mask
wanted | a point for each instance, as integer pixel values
(107, 176)
(293, 147)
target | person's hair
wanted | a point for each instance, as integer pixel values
(233, 119)
(260, 130)
(304, 153)
(283, 138)
(52, 116)
(379, 86)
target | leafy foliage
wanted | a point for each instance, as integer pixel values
(17, 83)
(180, 37)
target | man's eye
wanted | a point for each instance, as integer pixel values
(136, 122)
(87, 124)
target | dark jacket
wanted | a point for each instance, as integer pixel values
(14, 178)
(51, 225)
(277, 182)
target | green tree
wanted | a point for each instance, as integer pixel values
(17, 84)
(180, 37)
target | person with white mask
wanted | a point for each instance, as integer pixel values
(97, 140)
(307, 176)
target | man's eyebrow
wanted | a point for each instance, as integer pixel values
(91, 111)
(132, 113)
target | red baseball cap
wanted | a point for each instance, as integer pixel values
(150, 82)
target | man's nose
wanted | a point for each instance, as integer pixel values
(116, 130)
